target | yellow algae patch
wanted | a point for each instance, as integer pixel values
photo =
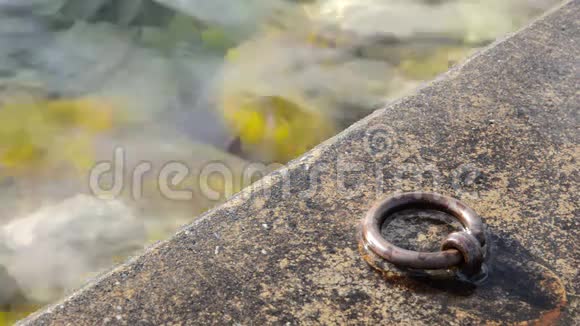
(35, 134)
(16, 313)
(275, 127)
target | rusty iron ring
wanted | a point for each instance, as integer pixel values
(463, 249)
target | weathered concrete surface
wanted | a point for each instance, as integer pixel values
(509, 117)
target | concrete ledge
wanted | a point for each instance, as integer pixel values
(499, 132)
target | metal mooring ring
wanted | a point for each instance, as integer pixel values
(463, 249)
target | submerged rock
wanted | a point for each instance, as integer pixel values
(55, 248)
(472, 22)
(8, 288)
